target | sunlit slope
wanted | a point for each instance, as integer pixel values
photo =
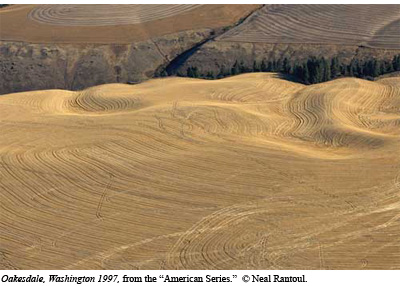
(376, 26)
(112, 24)
(245, 172)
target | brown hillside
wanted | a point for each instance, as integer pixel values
(348, 25)
(111, 23)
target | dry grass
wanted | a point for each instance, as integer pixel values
(104, 15)
(111, 23)
(248, 172)
(371, 25)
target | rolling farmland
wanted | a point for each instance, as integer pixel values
(73, 47)
(104, 15)
(246, 172)
(118, 24)
(367, 25)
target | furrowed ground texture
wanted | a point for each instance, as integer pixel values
(104, 15)
(247, 172)
(375, 26)
(119, 24)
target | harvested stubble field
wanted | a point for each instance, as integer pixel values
(111, 23)
(104, 15)
(247, 172)
(375, 26)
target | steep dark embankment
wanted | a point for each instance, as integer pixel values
(251, 34)
(299, 32)
(41, 49)
(216, 56)
(26, 66)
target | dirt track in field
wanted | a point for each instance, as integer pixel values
(247, 172)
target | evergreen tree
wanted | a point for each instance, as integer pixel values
(163, 73)
(157, 73)
(321, 69)
(360, 68)
(270, 66)
(189, 72)
(255, 67)
(326, 70)
(222, 72)
(305, 73)
(297, 70)
(312, 68)
(242, 67)
(210, 75)
(389, 66)
(357, 69)
(194, 72)
(368, 68)
(263, 66)
(376, 68)
(316, 70)
(279, 64)
(350, 70)
(286, 66)
(382, 67)
(343, 70)
(335, 67)
(235, 68)
(396, 63)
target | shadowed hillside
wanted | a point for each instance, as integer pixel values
(78, 46)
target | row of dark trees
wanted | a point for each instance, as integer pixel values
(310, 71)
(316, 70)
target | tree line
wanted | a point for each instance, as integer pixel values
(310, 71)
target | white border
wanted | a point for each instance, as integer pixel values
(329, 277)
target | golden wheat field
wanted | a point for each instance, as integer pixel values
(246, 172)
